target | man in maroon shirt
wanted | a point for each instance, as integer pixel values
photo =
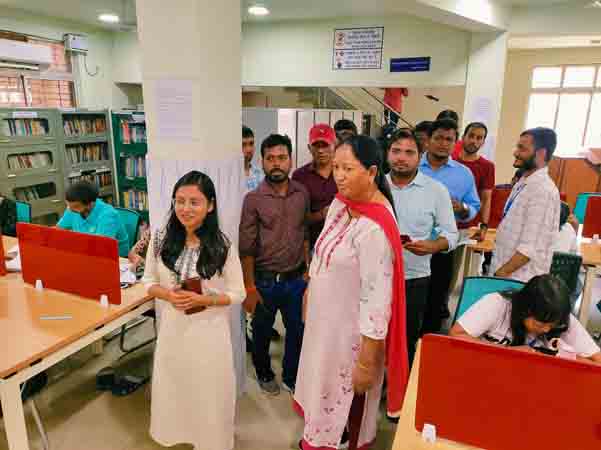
(317, 177)
(274, 251)
(483, 170)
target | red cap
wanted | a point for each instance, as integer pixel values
(322, 132)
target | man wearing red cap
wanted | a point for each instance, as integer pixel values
(317, 177)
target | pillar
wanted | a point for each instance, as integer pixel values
(484, 85)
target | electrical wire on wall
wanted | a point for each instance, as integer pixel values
(85, 65)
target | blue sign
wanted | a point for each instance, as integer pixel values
(420, 64)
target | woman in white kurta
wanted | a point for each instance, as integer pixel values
(355, 323)
(193, 385)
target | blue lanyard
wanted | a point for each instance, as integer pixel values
(512, 198)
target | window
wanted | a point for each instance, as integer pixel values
(53, 88)
(567, 99)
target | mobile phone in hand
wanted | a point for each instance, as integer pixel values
(405, 239)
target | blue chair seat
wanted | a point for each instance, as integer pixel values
(474, 288)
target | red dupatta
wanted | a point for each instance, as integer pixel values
(397, 359)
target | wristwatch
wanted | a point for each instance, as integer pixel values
(484, 226)
(465, 207)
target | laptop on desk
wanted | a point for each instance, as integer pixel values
(499, 398)
(77, 263)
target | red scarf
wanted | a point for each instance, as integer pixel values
(397, 360)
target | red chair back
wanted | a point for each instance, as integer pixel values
(497, 205)
(592, 218)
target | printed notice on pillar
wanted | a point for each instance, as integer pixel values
(173, 100)
(358, 48)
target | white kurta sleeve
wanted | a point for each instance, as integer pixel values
(233, 278)
(376, 270)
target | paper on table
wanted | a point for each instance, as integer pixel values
(126, 275)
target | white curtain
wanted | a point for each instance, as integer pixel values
(230, 185)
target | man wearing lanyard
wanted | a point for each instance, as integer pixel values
(530, 225)
(459, 181)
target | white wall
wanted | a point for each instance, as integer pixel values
(97, 90)
(299, 53)
(556, 20)
(417, 107)
(127, 66)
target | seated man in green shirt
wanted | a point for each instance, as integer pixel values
(87, 213)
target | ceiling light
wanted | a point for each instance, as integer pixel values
(258, 10)
(109, 18)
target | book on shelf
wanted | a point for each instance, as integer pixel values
(134, 199)
(29, 161)
(132, 133)
(24, 127)
(100, 179)
(135, 166)
(36, 192)
(81, 153)
(83, 126)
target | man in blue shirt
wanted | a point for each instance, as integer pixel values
(86, 213)
(425, 215)
(254, 174)
(460, 183)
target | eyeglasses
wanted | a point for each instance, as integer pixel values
(179, 203)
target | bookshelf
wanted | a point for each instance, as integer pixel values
(86, 146)
(31, 161)
(43, 151)
(129, 138)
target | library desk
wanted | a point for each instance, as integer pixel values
(407, 437)
(31, 345)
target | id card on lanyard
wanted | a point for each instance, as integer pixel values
(512, 198)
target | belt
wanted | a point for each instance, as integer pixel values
(278, 277)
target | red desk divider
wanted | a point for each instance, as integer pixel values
(505, 399)
(77, 263)
(2, 258)
(592, 218)
(497, 205)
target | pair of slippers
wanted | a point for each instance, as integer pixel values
(119, 385)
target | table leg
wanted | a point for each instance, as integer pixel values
(467, 263)
(587, 295)
(98, 347)
(14, 417)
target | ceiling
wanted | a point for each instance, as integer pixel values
(87, 11)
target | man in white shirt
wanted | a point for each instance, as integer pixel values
(527, 234)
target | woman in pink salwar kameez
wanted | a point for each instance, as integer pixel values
(355, 309)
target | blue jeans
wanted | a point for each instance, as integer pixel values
(287, 297)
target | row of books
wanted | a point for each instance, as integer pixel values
(132, 133)
(135, 166)
(37, 192)
(134, 199)
(30, 160)
(102, 179)
(81, 127)
(24, 127)
(82, 153)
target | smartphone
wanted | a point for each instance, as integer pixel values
(193, 285)
(405, 239)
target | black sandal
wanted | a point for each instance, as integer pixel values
(127, 384)
(105, 379)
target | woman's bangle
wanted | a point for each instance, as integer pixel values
(362, 366)
(250, 290)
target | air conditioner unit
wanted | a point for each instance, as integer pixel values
(17, 55)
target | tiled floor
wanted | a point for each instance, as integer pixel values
(77, 417)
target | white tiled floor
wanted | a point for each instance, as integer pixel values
(77, 417)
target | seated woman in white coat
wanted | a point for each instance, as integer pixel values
(194, 273)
